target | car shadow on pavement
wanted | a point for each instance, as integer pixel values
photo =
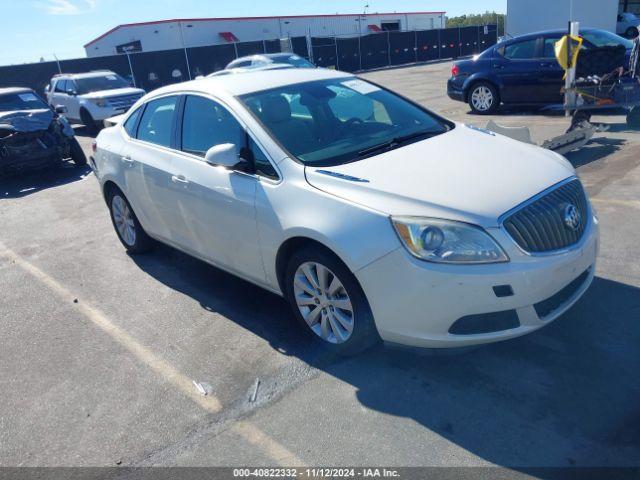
(27, 183)
(597, 149)
(563, 396)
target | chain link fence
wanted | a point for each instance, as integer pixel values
(151, 70)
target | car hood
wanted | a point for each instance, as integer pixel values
(118, 92)
(466, 174)
(27, 120)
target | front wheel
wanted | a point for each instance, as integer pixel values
(77, 154)
(127, 226)
(483, 98)
(92, 127)
(328, 301)
(632, 32)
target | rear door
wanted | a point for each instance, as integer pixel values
(517, 67)
(57, 95)
(551, 73)
(146, 164)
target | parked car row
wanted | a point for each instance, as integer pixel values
(520, 71)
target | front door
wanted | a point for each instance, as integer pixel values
(214, 209)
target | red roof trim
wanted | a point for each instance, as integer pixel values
(228, 36)
(175, 20)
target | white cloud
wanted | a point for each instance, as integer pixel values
(68, 7)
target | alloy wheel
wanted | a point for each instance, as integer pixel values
(482, 98)
(123, 219)
(323, 302)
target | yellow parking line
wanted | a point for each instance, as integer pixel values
(613, 201)
(210, 403)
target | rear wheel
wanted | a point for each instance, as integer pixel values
(77, 154)
(328, 301)
(127, 226)
(483, 98)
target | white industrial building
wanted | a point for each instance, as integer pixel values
(527, 16)
(197, 32)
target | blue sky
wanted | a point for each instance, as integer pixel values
(39, 28)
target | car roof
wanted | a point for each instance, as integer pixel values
(544, 33)
(253, 81)
(96, 73)
(235, 70)
(6, 90)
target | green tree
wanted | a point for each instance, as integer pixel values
(486, 18)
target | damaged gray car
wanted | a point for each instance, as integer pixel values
(32, 134)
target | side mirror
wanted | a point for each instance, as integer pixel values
(72, 92)
(223, 155)
(60, 109)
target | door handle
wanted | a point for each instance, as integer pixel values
(127, 160)
(497, 65)
(179, 179)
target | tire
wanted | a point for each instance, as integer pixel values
(633, 118)
(77, 154)
(632, 32)
(483, 98)
(90, 124)
(331, 314)
(126, 224)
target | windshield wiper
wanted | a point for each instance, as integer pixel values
(395, 142)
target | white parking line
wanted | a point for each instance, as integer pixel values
(210, 403)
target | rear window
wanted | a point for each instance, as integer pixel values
(156, 124)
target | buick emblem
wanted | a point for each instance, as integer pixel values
(572, 217)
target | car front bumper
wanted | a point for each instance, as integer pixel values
(416, 303)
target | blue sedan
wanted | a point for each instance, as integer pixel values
(519, 71)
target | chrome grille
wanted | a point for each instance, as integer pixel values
(124, 101)
(542, 225)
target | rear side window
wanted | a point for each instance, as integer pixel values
(132, 122)
(156, 124)
(521, 50)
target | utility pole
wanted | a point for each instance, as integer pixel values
(58, 62)
(184, 47)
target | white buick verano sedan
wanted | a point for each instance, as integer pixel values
(374, 217)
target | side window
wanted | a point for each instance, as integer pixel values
(206, 123)
(132, 122)
(548, 50)
(263, 165)
(61, 86)
(521, 50)
(157, 121)
(71, 85)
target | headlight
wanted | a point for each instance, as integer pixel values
(100, 102)
(446, 241)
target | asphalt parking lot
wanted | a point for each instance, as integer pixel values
(100, 350)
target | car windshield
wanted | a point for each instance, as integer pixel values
(330, 122)
(602, 38)
(96, 84)
(294, 60)
(21, 101)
